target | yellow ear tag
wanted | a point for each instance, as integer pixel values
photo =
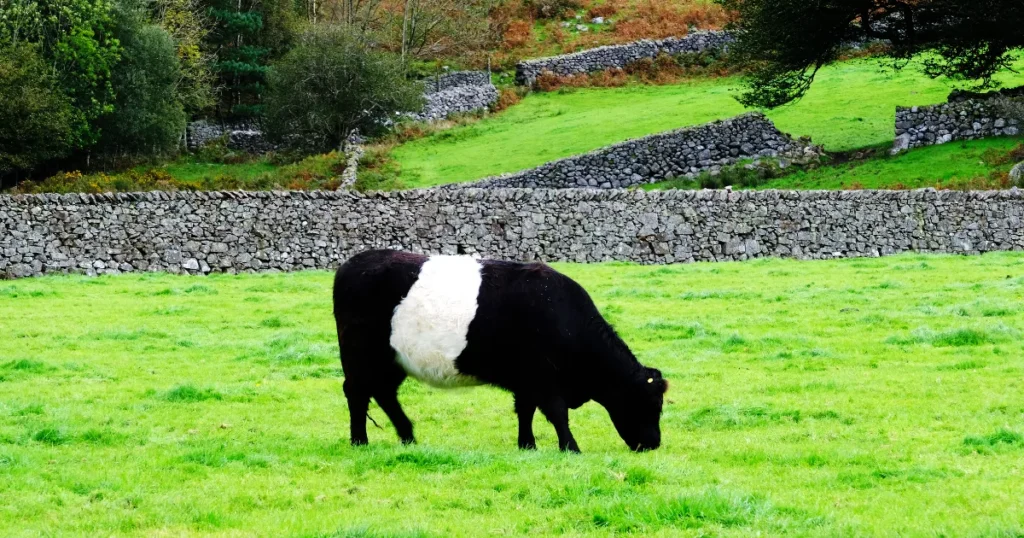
(650, 380)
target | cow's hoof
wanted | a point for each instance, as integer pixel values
(409, 441)
(528, 445)
(359, 442)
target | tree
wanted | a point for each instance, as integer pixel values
(188, 25)
(75, 38)
(247, 35)
(147, 117)
(330, 85)
(785, 42)
(36, 118)
(443, 28)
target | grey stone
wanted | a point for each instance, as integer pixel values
(618, 56)
(703, 148)
(142, 232)
(962, 118)
(1017, 175)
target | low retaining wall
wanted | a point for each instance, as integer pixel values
(683, 152)
(968, 119)
(607, 57)
(284, 231)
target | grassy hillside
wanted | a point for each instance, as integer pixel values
(852, 105)
(183, 406)
(977, 164)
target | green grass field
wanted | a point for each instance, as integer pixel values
(840, 398)
(958, 165)
(851, 105)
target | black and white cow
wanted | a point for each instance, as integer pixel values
(455, 321)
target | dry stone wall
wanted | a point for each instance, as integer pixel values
(458, 100)
(241, 137)
(683, 152)
(285, 231)
(448, 94)
(456, 79)
(968, 119)
(612, 56)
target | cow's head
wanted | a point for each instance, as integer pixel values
(637, 414)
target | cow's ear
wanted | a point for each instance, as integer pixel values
(664, 386)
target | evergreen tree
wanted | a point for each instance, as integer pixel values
(247, 35)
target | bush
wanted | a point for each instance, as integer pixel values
(508, 97)
(330, 85)
(147, 119)
(130, 181)
(36, 118)
(517, 34)
(551, 9)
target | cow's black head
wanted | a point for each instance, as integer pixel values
(637, 413)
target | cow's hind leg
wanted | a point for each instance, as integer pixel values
(358, 405)
(371, 371)
(386, 394)
(525, 408)
(557, 413)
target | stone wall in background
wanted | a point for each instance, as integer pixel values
(681, 153)
(455, 79)
(285, 231)
(240, 137)
(445, 95)
(611, 56)
(961, 119)
(456, 100)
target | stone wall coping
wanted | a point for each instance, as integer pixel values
(587, 52)
(583, 194)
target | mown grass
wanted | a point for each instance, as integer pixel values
(840, 398)
(851, 105)
(976, 164)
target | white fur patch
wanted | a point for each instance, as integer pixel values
(429, 327)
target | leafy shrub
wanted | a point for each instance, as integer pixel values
(331, 84)
(147, 117)
(36, 118)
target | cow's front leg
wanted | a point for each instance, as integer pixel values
(557, 414)
(524, 410)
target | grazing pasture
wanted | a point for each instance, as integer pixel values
(851, 105)
(850, 397)
(976, 164)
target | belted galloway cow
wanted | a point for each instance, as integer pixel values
(455, 321)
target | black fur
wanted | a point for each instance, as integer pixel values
(536, 333)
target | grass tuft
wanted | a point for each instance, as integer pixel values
(51, 436)
(190, 393)
(992, 443)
